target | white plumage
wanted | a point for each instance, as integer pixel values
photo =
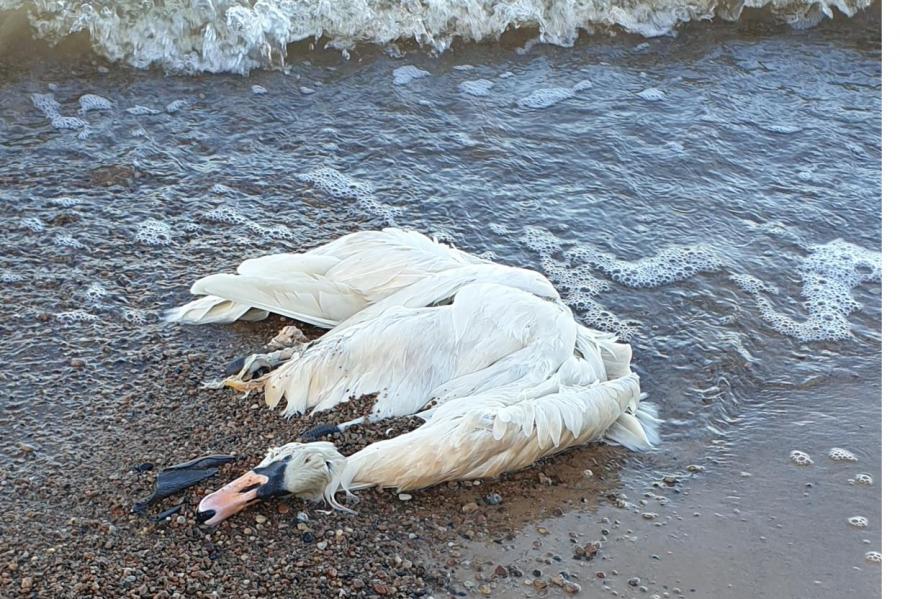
(487, 355)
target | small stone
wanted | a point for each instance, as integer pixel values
(301, 517)
(485, 590)
(282, 508)
(27, 583)
(501, 571)
(307, 91)
(588, 473)
(404, 496)
(322, 545)
(493, 499)
(649, 515)
(260, 519)
(634, 581)
(571, 587)
(258, 90)
(77, 363)
(695, 468)
(470, 507)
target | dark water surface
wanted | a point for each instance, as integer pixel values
(689, 165)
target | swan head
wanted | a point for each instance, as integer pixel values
(301, 469)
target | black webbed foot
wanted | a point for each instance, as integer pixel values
(317, 432)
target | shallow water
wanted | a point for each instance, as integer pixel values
(692, 196)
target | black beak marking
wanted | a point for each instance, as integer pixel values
(205, 515)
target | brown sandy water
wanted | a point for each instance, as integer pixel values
(764, 148)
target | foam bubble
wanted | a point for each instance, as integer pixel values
(652, 94)
(76, 316)
(135, 316)
(672, 264)
(407, 73)
(873, 557)
(858, 521)
(542, 241)
(65, 202)
(388, 214)
(226, 215)
(801, 458)
(477, 87)
(139, 110)
(64, 240)
(153, 232)
(842, 455)
(863, 479)
(176, 105)
(32, 224)
(544, 98)
(829, 274)
(8, 278)
(336, 184)
(95, 293)
(46, 103)
(751, 284)
(89, 102)
(500, 229)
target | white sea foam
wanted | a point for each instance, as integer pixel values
(405, 74)
(652, 94)
(672, 264)
(239, 35)
(829, 274)
(476, 87)
(153, 232)
(89, 102)
(48, 105)
(547, 97)
(76, 316)
(336, 184)
(139, 110)
(64, 240)
(33, 224)
(95, 293)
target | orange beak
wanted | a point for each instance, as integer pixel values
(231, 498)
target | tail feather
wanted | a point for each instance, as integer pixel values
(308, 298)
(212, 309)
(638, 431)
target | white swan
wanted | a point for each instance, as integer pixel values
(486, 354)
(477, 436)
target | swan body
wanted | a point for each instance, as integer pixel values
(490, 335)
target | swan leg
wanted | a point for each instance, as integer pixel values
(323, 430)
(250, 373)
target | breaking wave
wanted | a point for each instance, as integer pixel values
(239, 35)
